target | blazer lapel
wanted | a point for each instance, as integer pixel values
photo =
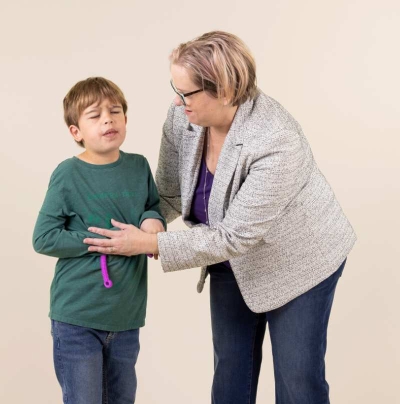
(190, 159)
(227, 164)
(224, 172)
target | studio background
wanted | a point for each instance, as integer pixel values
(333, 64)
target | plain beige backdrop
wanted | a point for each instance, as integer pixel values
(333, 64)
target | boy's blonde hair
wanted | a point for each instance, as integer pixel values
(221, 64)
(87, 92)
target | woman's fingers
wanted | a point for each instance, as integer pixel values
(120, 225)
(118, 242)
(103, 250)
(128, 241)
(100, 242)
(103, 246)
(102, 232)
(107, 233)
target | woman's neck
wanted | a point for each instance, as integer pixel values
(221, 129)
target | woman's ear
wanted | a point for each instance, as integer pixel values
(227, 102)
(227, 98)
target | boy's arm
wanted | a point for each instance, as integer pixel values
(50, 236)
(152, 209)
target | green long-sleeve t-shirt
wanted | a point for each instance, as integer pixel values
(81, 195)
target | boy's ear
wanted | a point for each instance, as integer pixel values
(75, 132)
(126, 119)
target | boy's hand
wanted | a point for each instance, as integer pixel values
(152, 226)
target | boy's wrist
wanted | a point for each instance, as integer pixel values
(150, 243)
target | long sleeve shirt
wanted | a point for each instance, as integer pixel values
(81, 195)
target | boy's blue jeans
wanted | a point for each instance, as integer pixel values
(93, 366)
(298, 337)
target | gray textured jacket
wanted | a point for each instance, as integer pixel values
(272, 213)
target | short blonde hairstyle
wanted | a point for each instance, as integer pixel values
(87, 92)
(221, 64)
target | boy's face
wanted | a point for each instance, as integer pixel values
(102, 127)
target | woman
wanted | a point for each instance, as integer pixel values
(264, 223)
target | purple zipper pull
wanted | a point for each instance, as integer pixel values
(103, 265)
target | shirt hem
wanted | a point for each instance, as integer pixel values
(97, 326)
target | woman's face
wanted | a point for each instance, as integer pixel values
(201, 108)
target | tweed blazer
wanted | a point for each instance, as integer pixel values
(271, 212)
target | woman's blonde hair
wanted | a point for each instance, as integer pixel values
(221, 64)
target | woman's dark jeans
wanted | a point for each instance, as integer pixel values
(298, 337)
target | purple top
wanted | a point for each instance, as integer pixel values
(199, 208)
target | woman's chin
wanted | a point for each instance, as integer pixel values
(194, 121)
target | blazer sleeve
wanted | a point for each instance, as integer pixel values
(167, 174)
(271, 184)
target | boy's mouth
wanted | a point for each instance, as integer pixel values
(110, 132)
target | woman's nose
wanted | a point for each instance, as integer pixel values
(178, 101)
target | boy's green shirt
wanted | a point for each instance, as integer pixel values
(81, 195)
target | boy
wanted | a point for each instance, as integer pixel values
(96, 328)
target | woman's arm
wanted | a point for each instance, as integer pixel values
(167, 175)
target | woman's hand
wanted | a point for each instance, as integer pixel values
(127, 241)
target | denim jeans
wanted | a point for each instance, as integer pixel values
(298, 333)
(93, 366)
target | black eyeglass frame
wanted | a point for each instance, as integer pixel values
(183, 95)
